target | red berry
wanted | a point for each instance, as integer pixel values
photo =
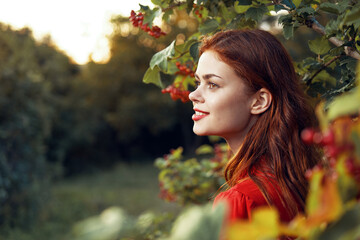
(308, 173)
(331, 151)
(307, 135)
(317, 138)
(328, 138)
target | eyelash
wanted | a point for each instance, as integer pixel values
(211, 85)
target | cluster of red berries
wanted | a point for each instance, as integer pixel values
(326, 140)
(177, 93)
(332, 149)
(198, 10)
(184, 70)
(137, 21)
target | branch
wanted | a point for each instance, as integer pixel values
(174, 5)
(317, 27)
(308, 82)
(277, 2)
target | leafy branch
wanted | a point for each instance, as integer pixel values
(308, 81)
(172, 6)
(317, 27)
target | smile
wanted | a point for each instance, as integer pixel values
(199, 115)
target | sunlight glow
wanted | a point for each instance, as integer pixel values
(78, 27)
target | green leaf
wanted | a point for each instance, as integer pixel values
(167, 15)
(194, 51)
(324, 76)
(312, 201)
(241, 8)
(288, 31)
(243, 2)
(226, 14)
(160, 58)
(150, 15)
(156, 2)
(182, 48)
(332, 27)
(330, 8)
(171, 68)
(320, 45)
(355, 137)
(208, 26)
(256, 13)
(111, 223)
(352, 17)
(239, 22)
(199, 223)
(153, 76)
(343, 105)
(278, 8)
(347, 227)
(288, 3)
(296, 2)
(305, 11)
(350, 63)
(285, 19)
(144, 8)
(205, 149)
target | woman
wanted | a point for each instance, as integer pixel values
(248, 93)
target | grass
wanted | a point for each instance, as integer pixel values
(132, 187)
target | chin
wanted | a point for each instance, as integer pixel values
(200, 132)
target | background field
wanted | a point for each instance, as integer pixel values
(134, 187)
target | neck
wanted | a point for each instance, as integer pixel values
(234, 144)
(235, 141)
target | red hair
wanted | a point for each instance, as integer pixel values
(274, 140)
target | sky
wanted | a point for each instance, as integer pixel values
(78, 27)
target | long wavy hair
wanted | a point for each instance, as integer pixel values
(273, 145)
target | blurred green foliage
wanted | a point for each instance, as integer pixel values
(192, 181)
(33, 77)
(133, 187)
(59, 118)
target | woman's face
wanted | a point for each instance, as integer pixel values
(221, 100)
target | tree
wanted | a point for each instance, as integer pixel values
(34, 77)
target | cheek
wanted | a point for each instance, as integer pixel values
(233, 111)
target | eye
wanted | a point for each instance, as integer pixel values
(212, 85)
(197, 83)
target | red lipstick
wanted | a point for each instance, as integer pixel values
(199, 115)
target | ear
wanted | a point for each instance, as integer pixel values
(262, 100)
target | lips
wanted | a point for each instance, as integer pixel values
(199, 115)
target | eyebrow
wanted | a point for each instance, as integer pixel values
(207, 76)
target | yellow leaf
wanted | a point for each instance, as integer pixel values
(321, 116)
(264, 225)
(314, 6)
(326, 201)
(297, 228)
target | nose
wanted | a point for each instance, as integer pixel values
(195, 96)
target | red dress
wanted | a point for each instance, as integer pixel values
(246, 196)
